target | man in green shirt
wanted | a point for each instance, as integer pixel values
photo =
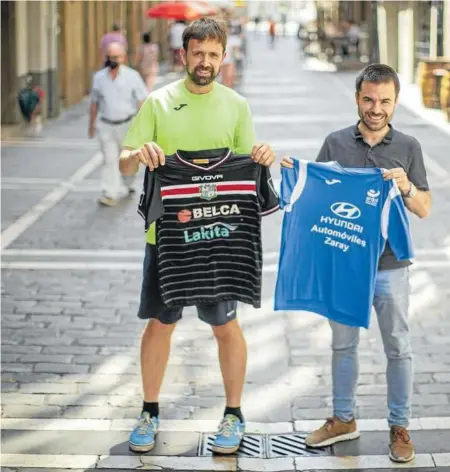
(191, 114)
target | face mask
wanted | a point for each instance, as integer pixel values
(111, 64)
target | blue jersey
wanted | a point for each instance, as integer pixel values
(335, 227)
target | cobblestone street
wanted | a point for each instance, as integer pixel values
(71, 274)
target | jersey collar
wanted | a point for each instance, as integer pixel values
(356, 133)
(186, 156)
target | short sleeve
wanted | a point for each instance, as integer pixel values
(293, 182)
(288, 180)
(244, 137)
(95, 90)
(267, 195)
(150, 205)
(143, 127)
(395, 225)
(140, 90)
(324, 153)
(416, 172)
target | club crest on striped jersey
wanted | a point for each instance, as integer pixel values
(208, 191)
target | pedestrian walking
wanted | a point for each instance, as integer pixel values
(190, 114)
(176, 44)
(117, 94)
(146, 60)
(30, 99)
(256, 21)
(374, 142)
(114, 36)
(272, 32)
(232, 53)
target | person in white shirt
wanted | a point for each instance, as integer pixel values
(233, 50)
(176, 43)
(117, 94)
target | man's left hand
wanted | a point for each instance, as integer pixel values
(263, 154)
(399, 175)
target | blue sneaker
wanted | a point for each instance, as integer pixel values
(142, 438)
(229, 436)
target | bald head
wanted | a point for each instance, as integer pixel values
(115, 56)
(116, 49)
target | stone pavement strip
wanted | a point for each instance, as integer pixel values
(70, 285)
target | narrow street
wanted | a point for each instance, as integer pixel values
(71, 274)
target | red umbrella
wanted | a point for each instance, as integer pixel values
(179, 10)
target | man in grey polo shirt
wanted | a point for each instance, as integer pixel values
(117, 94)
(373, 142)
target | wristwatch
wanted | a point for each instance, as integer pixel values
(412, 192)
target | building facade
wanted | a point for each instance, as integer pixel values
(57, 44)
(412, 31)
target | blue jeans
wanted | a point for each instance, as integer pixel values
(391, 302)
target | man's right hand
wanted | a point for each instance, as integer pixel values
(287, 162)
(151, 155)
(91, 132)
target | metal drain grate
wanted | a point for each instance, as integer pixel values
(251, 446)
(280, 445)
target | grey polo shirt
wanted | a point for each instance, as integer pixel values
(348, 148)
(118, 99)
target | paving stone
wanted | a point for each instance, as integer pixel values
(74, 399)
(33, 309)
(30, 378)
(10, 358)
(25, 411)
(420, 411)
(311, 413)
(16, 367)
(24, 327)
(434, 388)
(75, 350)
(21, 349)
(45, 341)
(442, 377)
(92, 359)
(103, 412)
(22, 399)
(418, 399)
(108, 341)
(48, 388)
(12, 317)
(61, 368)
(308, 402)
(282, 464)
(424, 378)
(53, 358)
(9, 387)
(11, 341)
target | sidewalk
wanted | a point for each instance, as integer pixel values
(70, 335)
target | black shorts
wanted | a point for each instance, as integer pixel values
(151, 305)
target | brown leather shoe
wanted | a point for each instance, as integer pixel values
(334, 430)
(401, 448)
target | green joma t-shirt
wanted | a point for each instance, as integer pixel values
(175, 118)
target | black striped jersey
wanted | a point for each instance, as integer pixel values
(208, 206)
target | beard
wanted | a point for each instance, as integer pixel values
(381, 120)
(202, 80)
